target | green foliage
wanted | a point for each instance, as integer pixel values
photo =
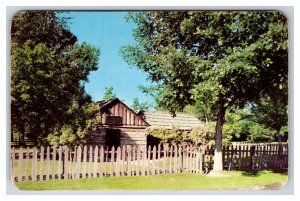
(202, 135)
(109, 93)
(198, 135)
(137, 106)
(204, 56)
(260, 133)
(48, 71)
(271, 111)
(242, 125)
(83, 120)
(238, 128)
(218, 59)
(168, 136)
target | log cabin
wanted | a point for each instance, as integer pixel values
(120, 125)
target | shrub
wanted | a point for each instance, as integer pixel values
(202, 135)
(166, 136)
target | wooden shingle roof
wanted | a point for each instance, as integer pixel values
(165, 120)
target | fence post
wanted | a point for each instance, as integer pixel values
(252, 152)
(95, 162)
(123, 161)
(34, 164)
(12, 164)
(165, 159)
(193, 159)
(175, 158)
(169, 161)
(66, 162)
(183, 158)
(59, 161)
(118, 162)
(153, 159)
(90, 161)
(144, 156)
(48, 163)
(158, 158)
(240, 155)
(73, 161)
(78, 162)
(133, 160)
(112, 158)
(187, 159)
(202, 154)
(84, 161)
(42, 164)
(27, 164)
(101, 161)
(138, 160)
(53, 162)
(20, 164)
(129, 160)
(148, 160)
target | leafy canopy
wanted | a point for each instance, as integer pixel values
(48, 71)
(219, 59)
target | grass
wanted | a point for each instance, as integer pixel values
(236, 180)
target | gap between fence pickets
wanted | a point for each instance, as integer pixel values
(45, 163)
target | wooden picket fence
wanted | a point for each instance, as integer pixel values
(93, 161)
(49, 163)
(252, 157)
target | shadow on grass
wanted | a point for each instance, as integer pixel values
(251, 173)
(256, 173)
(282, 171)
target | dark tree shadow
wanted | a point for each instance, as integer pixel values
(251, 173)
(281, 171)
(256, 173)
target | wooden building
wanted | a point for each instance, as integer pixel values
(118, 125)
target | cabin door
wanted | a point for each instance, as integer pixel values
(113, 137)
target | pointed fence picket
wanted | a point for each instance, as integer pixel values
(84, 162)
(20, 164)
(95, 162)
(66, 162)
(101, 168)
(12, 164)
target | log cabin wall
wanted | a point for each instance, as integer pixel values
(127, 137)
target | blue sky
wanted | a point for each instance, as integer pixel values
(109, 31)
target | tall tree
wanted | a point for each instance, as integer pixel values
(220, 59)
(48, 70)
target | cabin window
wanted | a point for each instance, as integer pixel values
(114, 120)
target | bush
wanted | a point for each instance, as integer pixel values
(198, 135)
(202, 135)
(166, 136)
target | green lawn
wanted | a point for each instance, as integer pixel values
(183, 181)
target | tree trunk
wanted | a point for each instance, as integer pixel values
(218, 162)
